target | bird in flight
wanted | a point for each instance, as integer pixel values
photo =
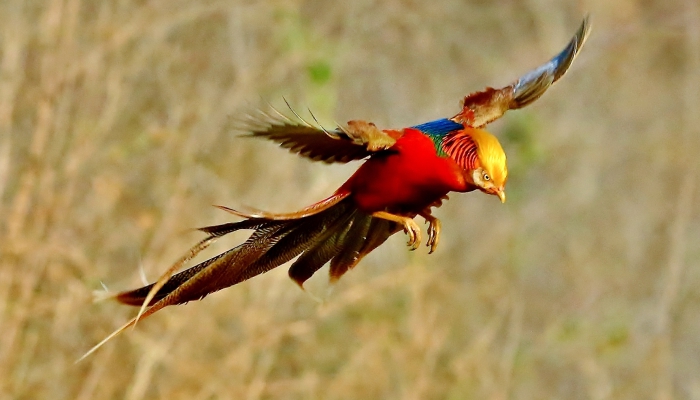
(406, 173)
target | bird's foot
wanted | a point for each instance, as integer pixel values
(413, 231)
(434, 227)
(409, 227)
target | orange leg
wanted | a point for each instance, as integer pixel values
(409, 226)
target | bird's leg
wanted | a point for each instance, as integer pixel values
(409, 226)
(434, 226)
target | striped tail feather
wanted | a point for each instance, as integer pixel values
(337, 232)
(341, 234)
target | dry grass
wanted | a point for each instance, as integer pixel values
(115, 139)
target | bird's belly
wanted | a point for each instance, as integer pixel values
(398, 198)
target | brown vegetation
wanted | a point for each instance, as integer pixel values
(115, 140)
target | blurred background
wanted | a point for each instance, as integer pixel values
(116, 139)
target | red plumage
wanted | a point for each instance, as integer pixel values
(407, 179)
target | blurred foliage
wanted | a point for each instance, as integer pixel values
(319, 72)
(115, 139)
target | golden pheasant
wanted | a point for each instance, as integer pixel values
(406, 173)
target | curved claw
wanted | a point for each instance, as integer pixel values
(533, 84)
(413, 231)
(434, 227)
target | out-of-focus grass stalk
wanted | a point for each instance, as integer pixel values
(685, 203)
(114, 140)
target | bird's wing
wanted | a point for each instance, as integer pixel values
(440, 127)
(483, 107)
(358, 140)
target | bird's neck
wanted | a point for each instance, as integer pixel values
(437, 131)
(461, 147)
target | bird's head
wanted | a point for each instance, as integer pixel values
(492, 173)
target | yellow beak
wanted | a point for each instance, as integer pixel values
(501, 195)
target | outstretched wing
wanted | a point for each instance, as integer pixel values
(483, 107)
(341, 145)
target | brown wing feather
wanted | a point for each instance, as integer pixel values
(480, 108)
(356, 141)
(311, 143)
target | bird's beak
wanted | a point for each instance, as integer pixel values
(501, 193)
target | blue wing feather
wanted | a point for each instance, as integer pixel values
(440, 127)
(437, 131)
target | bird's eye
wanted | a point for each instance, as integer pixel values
(486, 177)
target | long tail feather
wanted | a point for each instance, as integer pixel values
(379, 231)
(137, 297)
(151, 293)
(327, 247)
(349, 254)
(225, 271)
(338, 233)
(314, 259)
(313, 209)
(303, 237)
(165, 277)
